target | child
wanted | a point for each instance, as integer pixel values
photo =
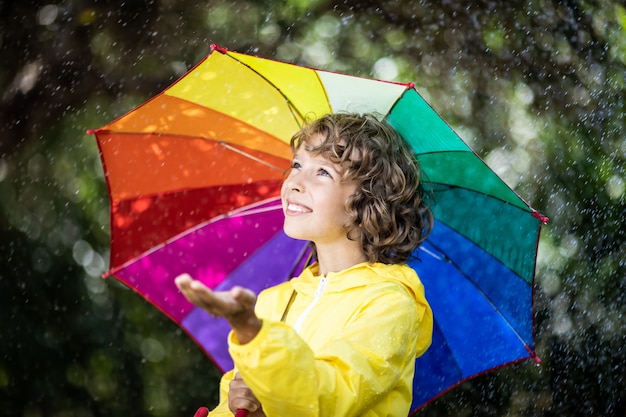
(341, 339)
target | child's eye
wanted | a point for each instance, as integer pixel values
(296, 165)
(324, 173)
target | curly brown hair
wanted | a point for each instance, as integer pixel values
(388, 211)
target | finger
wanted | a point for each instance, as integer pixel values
(218, 303)
(244, 297)
(240, 396)
(196, 292)
(182, 280)
(238, 388)
(188, 287)
(237, 400)
(243, 404)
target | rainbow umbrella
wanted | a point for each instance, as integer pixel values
(194, 177)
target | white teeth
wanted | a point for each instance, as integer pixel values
(295, 207)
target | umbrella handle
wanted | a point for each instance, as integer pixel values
(204, 412)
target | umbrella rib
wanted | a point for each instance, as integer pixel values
(247, 155)
(445, 258)
(445, 186)
(531, 210)
(247, 212)
(452, 353)
(290, 105)
(433, 191)
(244, 211)
(220, 141)
(305, 249)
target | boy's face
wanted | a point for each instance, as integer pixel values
(314, 197)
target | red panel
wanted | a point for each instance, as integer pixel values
(140, 224)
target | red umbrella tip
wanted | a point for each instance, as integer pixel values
(216, 47)
(91, 131)
(541, 217)
(202, 412)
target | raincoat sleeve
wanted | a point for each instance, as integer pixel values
(363, 366)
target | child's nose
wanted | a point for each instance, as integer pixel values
(296, 186)
(294, 183)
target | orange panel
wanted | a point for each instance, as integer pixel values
(145, 164)
(171, 115)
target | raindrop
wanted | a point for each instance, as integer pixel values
(41, 260)
(317, 55)
(28, 76)
(95, 286)
(82, 252)
(615, 187)
(97, 266)
(152, 350)
(4, 169)
(269, 33)
(563, 325)
(47, 14)
(386, 69)
(288, 51)
(524, 94)
(327, 27)
(550, 284)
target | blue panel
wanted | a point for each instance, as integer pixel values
(508, 292)
(475, 338)
(477, 335)
(434, 371)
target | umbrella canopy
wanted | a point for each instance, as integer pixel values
(194, 179)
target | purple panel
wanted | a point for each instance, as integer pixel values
(210, 333)
(208, 253)
(275, 262)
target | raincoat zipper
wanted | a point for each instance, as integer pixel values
(318, 294)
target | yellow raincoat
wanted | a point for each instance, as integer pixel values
(347, 346)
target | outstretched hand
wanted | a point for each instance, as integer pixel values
(236, 305)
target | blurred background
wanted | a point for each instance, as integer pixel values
(537, 88)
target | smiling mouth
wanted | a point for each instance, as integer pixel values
(296, 208)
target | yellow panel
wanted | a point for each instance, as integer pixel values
(300, 85)
(225, 85)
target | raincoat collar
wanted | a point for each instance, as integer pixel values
(356, 276)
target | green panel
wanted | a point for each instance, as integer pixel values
(422, 127)
(466, 170)
(469, 197)
(505, 231)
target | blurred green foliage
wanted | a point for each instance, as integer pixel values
(536, 87)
